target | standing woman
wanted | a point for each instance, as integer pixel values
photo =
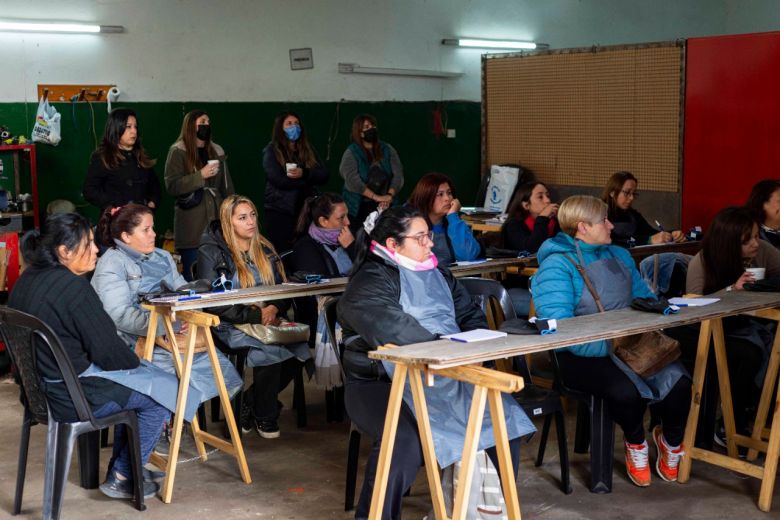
(196, 173)
(453, 240)
(764, 204)
(119, 171)
(372, 172)
(531, 218)
(234, 248)
(293, 169)
(619, 194)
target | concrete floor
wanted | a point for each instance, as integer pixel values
(301, 476)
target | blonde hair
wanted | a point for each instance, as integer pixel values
(257, 246)
(580, 208)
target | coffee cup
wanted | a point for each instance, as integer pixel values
(758, 272)
(291, 166)
(214, 163)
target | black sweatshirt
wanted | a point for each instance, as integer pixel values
(129, 182)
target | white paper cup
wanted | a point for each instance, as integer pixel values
(758, 272)
(214, 162)
(290, 167)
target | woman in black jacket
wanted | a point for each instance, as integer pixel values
(119, 170)
(234, 248)
(54, 290)
(530, 219)
(397, 295)
(293, 169)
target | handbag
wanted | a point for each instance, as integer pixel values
(190, 200)
(283, 334)
(378, 180)
(646, 353)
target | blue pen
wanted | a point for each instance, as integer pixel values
(459, 340)
(188, 298)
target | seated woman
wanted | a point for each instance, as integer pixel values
(234, 248)
(132, 267)
(530, 221)
(764, 203)
(397, 295)
(53, 289)
(730, 245)
(629, 226)
(453, 240)
(560, 292)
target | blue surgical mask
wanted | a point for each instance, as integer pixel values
(293, 132)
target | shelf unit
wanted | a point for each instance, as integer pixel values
(16, 150)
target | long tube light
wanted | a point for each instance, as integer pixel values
(59, 27)
(352, 68)
(493, 44)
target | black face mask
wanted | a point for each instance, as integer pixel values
(370, 135)
(204, 132)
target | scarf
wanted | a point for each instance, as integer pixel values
(325, 236)
(404, 261)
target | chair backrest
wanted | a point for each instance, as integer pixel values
(23, 334)
(330, 320)
(491, 297)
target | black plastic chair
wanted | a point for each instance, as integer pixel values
(595, 427)
(535, 401)
(23, 334)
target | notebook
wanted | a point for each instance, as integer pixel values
(475, 335)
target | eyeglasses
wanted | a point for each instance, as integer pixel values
(420, 237)
(222, 283)
(634, 194)
(312, 278)
(602, 221)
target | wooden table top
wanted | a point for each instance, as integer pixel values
(573, 331)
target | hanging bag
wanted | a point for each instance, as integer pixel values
(47, 124)
(503, 180)
(285, 333)
(646, 353)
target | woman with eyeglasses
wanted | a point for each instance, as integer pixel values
(293, 169)
(453, 240)
(560, 292)
(372, 172)
(630, 227)
(232, 247)
(399, 294)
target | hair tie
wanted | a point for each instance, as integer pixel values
(114, 210)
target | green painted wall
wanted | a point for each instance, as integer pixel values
(243, 129)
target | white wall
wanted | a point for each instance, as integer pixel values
(237, 50)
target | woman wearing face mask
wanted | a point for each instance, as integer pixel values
(764, 204)
(630, 226)
(196, 173)
(132, 267)
(453, 240)
(730, 246)
(119, 170)
(396, 294)
(372, 172)
(293, 169)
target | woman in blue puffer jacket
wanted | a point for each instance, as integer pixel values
(559, 292)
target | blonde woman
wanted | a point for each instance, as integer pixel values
(234, 248)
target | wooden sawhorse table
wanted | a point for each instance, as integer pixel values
(196, 320)
(763, 439)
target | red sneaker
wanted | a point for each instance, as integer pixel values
(637, 465)
(668, 457)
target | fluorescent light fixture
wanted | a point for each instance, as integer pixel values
(493, 44)
(352, 68)
(59, 27)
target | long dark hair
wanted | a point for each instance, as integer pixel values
(315, 207)
(283, 147)
(357, 129)
(109, 151)
(613, 187)
(721, 248)
(115, 221)
(189, 138)
(759, 195)
(523, 194)
(39, 248)
(424, 193)
(392, 223)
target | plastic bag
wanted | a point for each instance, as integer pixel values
(47, 124)
(503, 180)
(327, 369)
(486, 500)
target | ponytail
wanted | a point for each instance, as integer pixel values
(391, 223)
(117, 220)
(41, 248)
(315, 207)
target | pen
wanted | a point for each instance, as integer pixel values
(660, 227)
(458, 340)
(188, 298)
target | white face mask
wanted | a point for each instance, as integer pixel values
(404, 261)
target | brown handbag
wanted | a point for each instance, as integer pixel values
(646, 353)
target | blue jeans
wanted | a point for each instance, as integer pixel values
(188, 257)
(151, 419)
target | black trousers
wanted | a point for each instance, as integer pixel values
(268, 382)
(366, 403)
(601, 377)
(279, 229)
